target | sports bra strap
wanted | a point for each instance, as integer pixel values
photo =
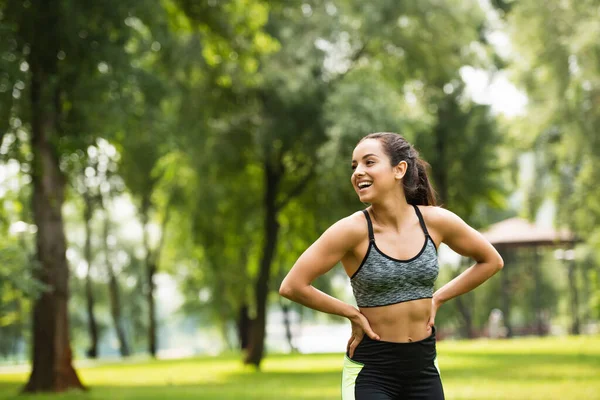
(370, 226)
(421, 220)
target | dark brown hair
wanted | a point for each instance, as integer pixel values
(417, 189)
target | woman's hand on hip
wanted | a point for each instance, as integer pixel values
(435, 305)
(360, 327)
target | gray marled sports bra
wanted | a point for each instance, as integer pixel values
(382, 280)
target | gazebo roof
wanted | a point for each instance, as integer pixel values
(518, 232)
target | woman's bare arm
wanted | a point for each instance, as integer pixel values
(318, 259)
(466, 241)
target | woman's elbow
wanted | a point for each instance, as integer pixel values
(286, 290)
(499, 263)
(292, 290)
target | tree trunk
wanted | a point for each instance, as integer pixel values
(114, 292)
(52, 368)
(573, 297)
(285, 309)
(244, 322)
(92, 351)
(152, 259)
(261, 290)
(244, 327)
(150, 285)
(585, 293)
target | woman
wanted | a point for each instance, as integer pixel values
(389, 251)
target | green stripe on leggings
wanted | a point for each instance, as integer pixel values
(349, 374)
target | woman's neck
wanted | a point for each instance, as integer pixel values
(392, 212)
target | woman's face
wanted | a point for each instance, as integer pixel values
(373, 175)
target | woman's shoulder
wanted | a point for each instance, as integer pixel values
(438, 218)
(353, 227)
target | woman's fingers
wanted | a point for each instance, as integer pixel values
(352, 347)
(360, 327)
(429, 325)
(431, 321)
(367, 329)
(349, 343)
(371, 334)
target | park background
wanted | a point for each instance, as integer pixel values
(164, 162)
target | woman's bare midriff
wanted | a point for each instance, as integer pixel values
(403, 322)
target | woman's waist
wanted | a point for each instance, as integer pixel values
(385, 355)
(400, 323)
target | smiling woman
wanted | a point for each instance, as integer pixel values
(398, 153)
(389, 251)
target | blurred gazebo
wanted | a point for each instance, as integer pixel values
(517, 233)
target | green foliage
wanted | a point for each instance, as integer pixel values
(398, 85)
(214, 248)
(558, 65)
(129, 269)
(17, 287)
(17, 283)
(557, 62)
(463, 149)
(203, 99)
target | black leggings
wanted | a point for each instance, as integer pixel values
(392, 371)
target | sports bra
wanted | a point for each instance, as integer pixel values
(381, 280)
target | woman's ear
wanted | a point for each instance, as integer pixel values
(400, 170)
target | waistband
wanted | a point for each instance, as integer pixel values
(404, 356)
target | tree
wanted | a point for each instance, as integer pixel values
(294, 107)
(59, 50)
(97, 183)
(556, 63)
(88, 212)
(137, 173)
(114, 291)
(52, 369)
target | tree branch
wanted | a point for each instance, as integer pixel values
(163, 228)
(297, 190)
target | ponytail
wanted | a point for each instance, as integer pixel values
(418, 189)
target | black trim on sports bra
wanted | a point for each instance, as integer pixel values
(369, 225)
(373, 244)
(408, 259)
(364, 260)
(417, 211)
(421, 220)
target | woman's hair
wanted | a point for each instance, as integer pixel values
(417, 189)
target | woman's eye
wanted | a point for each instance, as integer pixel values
(353, 167)
(369, 162)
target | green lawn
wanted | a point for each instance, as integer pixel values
(551, 368)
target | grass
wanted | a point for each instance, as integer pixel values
(530, 368)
